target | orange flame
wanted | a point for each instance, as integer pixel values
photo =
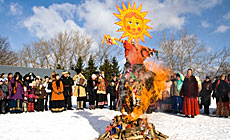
(150, 96)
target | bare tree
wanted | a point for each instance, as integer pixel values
(7, 57)
(223, 62)
(107, 50)
(188, 52)
(59, 52)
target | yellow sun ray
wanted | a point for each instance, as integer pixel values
(133, 22)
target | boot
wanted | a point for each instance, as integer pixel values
(82, 105)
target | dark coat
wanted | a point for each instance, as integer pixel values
(112, 89)
(26, 83)
(67, 84)
(40, 92)
(222, 90)
(3, 91)
(92, 92)
(189, 87)
(205, 93)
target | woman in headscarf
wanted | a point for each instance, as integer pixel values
(17, 94)
(189, 91)
(222, 97)
(57, 97)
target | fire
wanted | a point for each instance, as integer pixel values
(150, 94)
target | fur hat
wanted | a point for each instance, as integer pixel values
(94, 76)
(65, 72)
(2, 80)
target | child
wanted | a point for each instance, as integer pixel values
(31, 97)
(3, 96)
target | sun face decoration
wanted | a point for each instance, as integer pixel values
(132, 22)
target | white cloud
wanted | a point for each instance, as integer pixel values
(1, 1)
(15, 9)
(47, 22)
(98, 18)
(171, 14)
(222, 29)
(205, 24)
(227, 16)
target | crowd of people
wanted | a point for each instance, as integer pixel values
(32, 93)
(188, 95)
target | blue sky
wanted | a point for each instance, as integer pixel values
(24, 21)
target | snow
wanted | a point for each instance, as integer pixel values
(89, 124)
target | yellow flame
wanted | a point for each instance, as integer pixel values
(150, 96)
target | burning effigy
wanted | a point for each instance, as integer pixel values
(141, 84)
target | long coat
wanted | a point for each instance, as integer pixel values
(189, 87)
(222, 91)
(206, 93)
(67, 84)
(56, 90)
(18, 90)
(80, 88)
(190, 91)
(102, 84)
(40, 92)
(92, 90)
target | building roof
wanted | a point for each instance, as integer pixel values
(37, 71)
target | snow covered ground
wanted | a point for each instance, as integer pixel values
(89, 124)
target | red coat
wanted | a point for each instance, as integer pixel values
(135, 55)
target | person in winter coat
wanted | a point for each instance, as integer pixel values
(92, 91)
(80, 89)
(112, 90)
(57, 97)
(17, 94)
(8, 82)
(31, 96)
(48, 88)
(26, 83)
(189, 91)
(101, 90)
(175, 93)
(40, 95)
(205, 94)
(222, 96)
(67, 83)
(3, 96)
